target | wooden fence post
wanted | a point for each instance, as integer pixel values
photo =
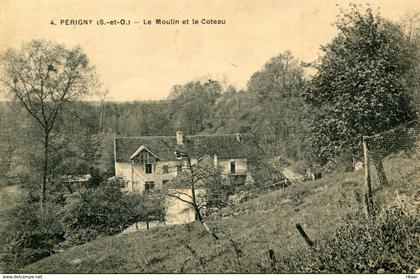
(304, 235)
(368, 182)
(272, 260)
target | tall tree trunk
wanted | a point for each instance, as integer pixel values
(45, 169)
(205, 225)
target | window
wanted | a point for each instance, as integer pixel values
(148, 168)
(178, 169)
(149, 186)
(165, 181)
(232, 167)
(165, 168)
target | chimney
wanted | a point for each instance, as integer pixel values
(215, 160)
(179, 138)
(238, 137)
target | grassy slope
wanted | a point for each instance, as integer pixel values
(265, 222)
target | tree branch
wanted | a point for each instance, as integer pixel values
(179, 198)
(18, 95)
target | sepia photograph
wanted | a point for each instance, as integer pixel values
(209, 137)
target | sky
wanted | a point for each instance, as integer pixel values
(143, 62)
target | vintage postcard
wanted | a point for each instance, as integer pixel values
(209, 137)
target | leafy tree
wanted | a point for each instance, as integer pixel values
(102, 210)
(6, 148)
(105, 154)
(192, 105)
(27, 234)
(360, 87)
(44, 77)
(145, 208)
(74, 144)
(25, 158)
(138, 118)
(410, 25)
(277, 116)
(229, 111)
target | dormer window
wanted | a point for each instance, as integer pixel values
(178, 155)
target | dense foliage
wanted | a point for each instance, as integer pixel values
(43, 77)
(146, 208)
(386, 244)
(360, 87)
(95, 211)
(68, 219)
(27, 234)
(278, 115)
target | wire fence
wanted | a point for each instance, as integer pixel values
(382, 151)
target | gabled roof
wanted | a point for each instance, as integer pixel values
(141, 148)
(224, 146)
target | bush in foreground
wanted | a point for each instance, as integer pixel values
(95, 211)
(386, 244)
(28, 233)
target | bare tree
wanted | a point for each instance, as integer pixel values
(44, 77)
(410, 24)
(193, 175)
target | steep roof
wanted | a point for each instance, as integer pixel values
(141, 148)
(224, 146)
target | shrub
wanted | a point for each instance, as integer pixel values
(219, 190)
(145, 209)
(385, 244)
(96, 179)
(96, 211)
(28, 233)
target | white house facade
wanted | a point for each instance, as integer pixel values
(148, 163)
